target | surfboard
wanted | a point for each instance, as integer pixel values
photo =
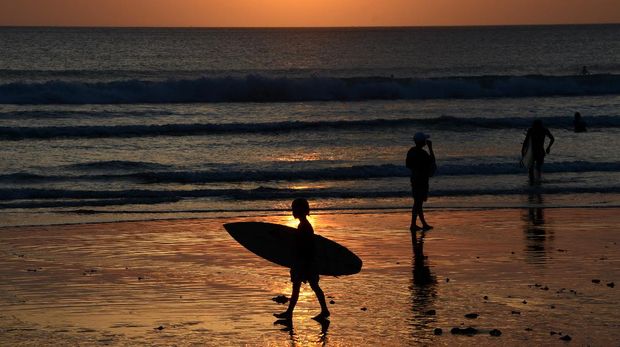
(274, 242)
(528, 158)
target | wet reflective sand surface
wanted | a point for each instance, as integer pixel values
(535, 274)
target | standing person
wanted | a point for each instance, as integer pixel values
(422, 166)
(579, 124)
(536, 138)
(303, 269)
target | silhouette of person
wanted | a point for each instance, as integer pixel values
(303, 269)
(422, 166)
(536, 138)
(579, 124)
(584, 71)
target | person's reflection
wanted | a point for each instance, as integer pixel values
(423, 289)
(535, 231)
(323, 335)
(288, 327)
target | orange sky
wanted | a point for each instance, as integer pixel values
(299, 13)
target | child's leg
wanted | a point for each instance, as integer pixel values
(292, 302)
(414, 215)
(425, 226)
(294, 296)
(314, 284)
(539, 164)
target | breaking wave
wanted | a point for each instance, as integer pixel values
(258, 88)
(443, 122)
(133, 171)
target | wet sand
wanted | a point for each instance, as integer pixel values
(526, 272)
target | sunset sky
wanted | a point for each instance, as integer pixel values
(302, 13)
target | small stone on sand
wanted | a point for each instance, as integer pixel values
(596, 281)
(486, 297)
(332, 302)
(280, 299)
(464, 331)
(566, 338)
(437, 331)
(495, 332)
(471, 315)
(515, 312)
(430, 312)
(363, 309)
(160, 328)
(611, 284)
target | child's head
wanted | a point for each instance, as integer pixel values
(420, 139)
(300, 208)
(538, 123)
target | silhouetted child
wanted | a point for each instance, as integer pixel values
(422, 166)
(579, 123)
(303, 268)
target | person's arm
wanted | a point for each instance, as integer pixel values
(551, 141)
(433, 167)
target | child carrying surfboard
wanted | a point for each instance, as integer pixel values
(303, 268)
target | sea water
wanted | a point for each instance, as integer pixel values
(113, 124)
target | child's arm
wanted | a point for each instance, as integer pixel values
(433, 166)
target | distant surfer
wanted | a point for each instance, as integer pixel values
(422, 166)
(535, 144)
(303, 269)
(584, 71)
(579, 124)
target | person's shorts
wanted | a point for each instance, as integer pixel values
(539, 158)
(419, 191)
(304, 273)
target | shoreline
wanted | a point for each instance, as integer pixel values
(518, 202)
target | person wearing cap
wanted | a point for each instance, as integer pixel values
(422, 166)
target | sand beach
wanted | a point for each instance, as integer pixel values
(536, 275)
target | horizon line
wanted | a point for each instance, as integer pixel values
(306, 27)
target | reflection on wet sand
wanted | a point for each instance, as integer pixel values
(288, 327)
(423, 290)
(537, 234)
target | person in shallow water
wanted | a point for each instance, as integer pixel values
(303, 269)
(422, 166)
(537, 134)
(579, 124)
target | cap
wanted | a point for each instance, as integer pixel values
(420, 137)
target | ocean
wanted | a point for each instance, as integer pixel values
(121, 124)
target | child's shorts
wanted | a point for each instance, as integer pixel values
(304, 274)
